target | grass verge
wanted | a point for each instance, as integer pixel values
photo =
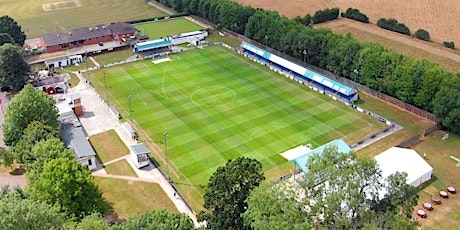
(108, 145)
(121, 167)
(114, 56)
(133, 197)
(156, 30)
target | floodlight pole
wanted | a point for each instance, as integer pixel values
(304, 57)
(165, 135)
(106, 89)
(129, 101)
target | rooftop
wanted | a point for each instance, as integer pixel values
(78, 34)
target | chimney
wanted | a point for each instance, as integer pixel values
(70, 33)
(90, 29)
(95, 27)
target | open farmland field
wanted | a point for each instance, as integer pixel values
(216, 105)
(438, 17)
(164, 28)
(409, 46)
(35, 21)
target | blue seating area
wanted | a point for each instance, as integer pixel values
(313, 79)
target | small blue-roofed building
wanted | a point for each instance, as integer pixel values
(315, 80)
(152, 47)
(301, 154)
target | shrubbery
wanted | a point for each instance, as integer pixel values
(325, 15)
(449, 44)
(355, 14)
(393, 25)
(422, 35)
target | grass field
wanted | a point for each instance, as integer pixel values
(216, 106)
(120, 167)
(35, 21)
(164, 28)
(129, 198)
(108, 146)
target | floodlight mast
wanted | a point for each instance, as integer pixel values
(165, 136)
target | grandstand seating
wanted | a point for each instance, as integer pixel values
(313, 79)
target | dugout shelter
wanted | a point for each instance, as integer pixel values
(313, 79)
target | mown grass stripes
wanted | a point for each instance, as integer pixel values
(216, 105)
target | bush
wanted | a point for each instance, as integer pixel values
(393, 25)
(449, 44)
(422, 35)
(355, 14)
(325, 15)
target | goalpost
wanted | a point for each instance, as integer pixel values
(160, 57)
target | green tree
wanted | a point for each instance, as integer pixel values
(158, 219)
(20, 213)
(422, 35)
(70, 186)
(228, 189)
(34, 133)
(5, 38)
(13, 68)
(276, 207)
(45, 151)
(27, 106)
(93, 221)
(11, 27)
(343, 192)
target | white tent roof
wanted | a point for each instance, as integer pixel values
(295, 152)
(404, 160)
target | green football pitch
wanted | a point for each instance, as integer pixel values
(217, 105)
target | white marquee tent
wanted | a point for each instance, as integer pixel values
(404, 160)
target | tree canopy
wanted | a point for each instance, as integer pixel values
(13, 67)
(158, 219)
(344, 192)
(5, 38)
(11, 27)
(93, 221)
(70, 186)
(228, 189)
(27, 106)
(276, 207)
(18, 212)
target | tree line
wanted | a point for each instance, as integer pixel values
(417, 82)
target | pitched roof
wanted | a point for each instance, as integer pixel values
(139, 149)
(121, 28)
(78, 34)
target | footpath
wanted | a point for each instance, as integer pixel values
(97, 119)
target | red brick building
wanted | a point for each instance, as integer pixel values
(53, 42)
(122, 31)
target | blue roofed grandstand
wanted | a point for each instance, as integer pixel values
(305, 76)
(151, 48)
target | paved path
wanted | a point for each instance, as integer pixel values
(97, 119)
(12, 181)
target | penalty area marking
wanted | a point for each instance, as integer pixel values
(139, 96)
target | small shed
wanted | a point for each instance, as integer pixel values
(131, 132)
(139, 154)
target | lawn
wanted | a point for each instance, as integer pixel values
(445, 173)
(35, 21)
(156, 30)
(120, 167)
(216, 105)
(108, 145)
(129, 198)
(115, 56)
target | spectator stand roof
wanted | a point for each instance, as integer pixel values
(301, 154)
(150, 45)
(302, 71)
